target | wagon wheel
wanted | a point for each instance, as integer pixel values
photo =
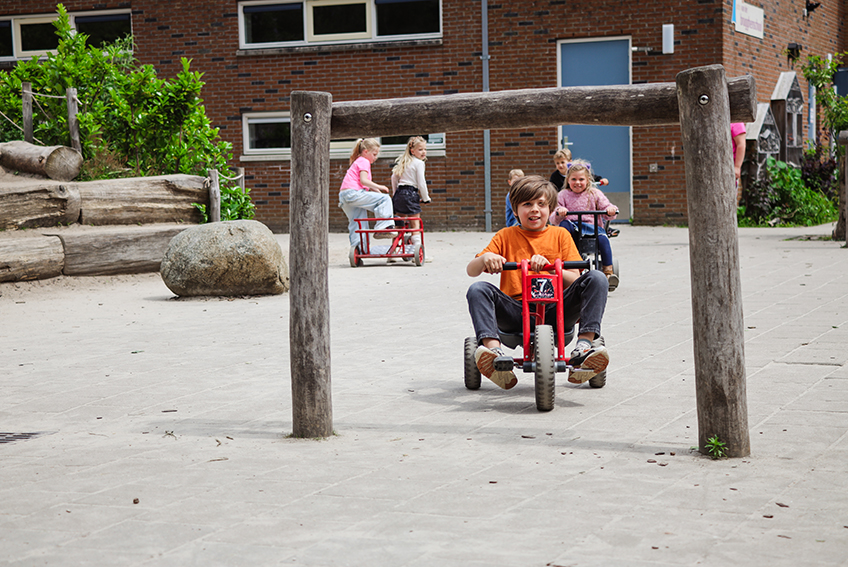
(418, 254)
(472, 374)
(545, 369)
(354, 258)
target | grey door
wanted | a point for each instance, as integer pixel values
(600, 62)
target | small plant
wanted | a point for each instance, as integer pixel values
(716, 448)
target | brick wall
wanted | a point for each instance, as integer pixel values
(523, 42)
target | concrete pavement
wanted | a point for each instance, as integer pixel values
(138, 429)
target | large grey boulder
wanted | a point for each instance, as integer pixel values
(225, 258)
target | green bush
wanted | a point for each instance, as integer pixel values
(784, 200)
(131, 122)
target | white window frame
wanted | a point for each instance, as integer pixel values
(311, 39)
(14, 35)
(17, 38)
(339, 149)
(18, 52)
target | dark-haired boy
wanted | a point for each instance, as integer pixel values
(491, 308)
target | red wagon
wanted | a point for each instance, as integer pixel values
(401, 246)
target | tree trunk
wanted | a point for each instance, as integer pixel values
(30, 258)
(116, 250)
(56, 162)
(136, 200)
(29, 203)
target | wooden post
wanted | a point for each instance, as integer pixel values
(841, 230)
(73, 123)
(214, 197)
(26, 98)
(239, 171)
(718, 328)
(309, 317)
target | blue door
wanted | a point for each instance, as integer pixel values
(607, 148)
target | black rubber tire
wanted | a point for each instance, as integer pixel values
(418, 255)
(354, 261)
(545, 367)
(472, 374)
(599, 380)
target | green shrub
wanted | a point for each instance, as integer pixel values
(131, 122)
(784, 200)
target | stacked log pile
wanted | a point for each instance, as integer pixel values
(36, 192)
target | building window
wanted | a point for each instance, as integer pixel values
(406, 17)
(21, 37)
(267, 137)
(272, 23)
(264, 24)
(7, 48)
(333, 20)
(103, 29)
(35, 36)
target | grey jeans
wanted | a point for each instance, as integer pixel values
(584, 300)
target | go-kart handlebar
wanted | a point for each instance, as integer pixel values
(578, 265)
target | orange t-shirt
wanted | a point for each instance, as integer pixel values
(516, 244)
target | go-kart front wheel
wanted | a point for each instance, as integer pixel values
(545, 367)
(472, 374)
(353, 257)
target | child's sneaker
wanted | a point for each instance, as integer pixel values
(485, 359)
(587, 361)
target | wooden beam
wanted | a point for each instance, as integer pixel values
(309, 317)
(718, 327)
(651, 104)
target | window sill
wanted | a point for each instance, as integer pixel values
(388, 154)
(332, 47)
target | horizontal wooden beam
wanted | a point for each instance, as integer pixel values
(650, 104)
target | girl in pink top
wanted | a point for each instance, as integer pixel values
(580, 194)
(358, 194)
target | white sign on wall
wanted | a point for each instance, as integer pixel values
(749, 19)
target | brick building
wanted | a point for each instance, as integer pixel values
(253, 53)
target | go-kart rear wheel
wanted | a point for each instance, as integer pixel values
(352, 256)
(599, 380)
(545, 369)
(418, 254)
(472, 374)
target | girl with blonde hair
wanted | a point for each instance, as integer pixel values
(409, 184)
(359, 194)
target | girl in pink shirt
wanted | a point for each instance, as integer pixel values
(580, 194)
(358, 194)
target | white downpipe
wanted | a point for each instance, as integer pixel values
(487, 157)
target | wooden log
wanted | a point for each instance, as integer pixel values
(309, 318)
(56, 162)
(103, 251)
(30, 258)
(621, 105)
(134, 200)
(29, 203)
(718, 328)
